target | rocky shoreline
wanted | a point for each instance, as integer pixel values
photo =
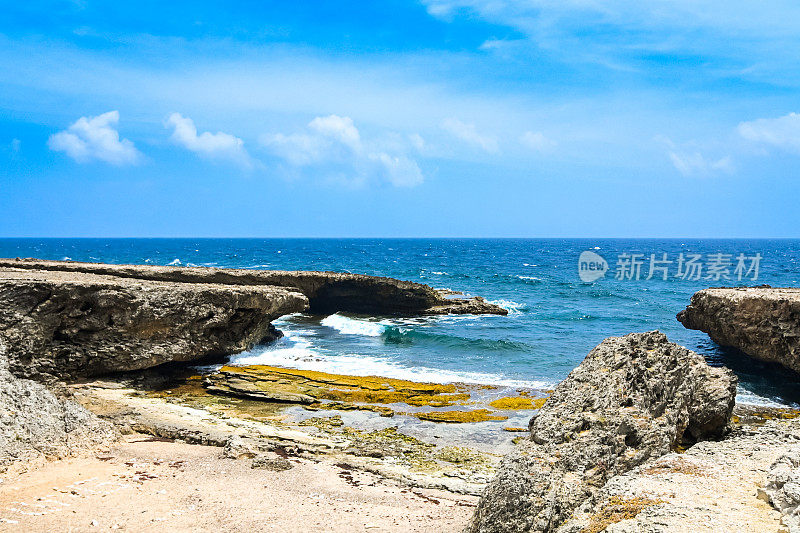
(642, 436)
(762, 322)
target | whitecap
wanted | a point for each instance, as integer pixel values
(175, 262)
(302, 356)
(513, 308)
(352, 326)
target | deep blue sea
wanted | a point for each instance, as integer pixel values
(554, 318)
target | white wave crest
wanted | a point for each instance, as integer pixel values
(513, 308)
(296, 350)
(303, 357)
(175, 262)
(352, 326)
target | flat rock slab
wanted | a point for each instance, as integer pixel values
(73, 324)
(327, 292)
(762, 322)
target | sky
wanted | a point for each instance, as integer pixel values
(427, 118)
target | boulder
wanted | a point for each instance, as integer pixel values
(633, 398)
(70, 325)
(762, 322)
(36, 424)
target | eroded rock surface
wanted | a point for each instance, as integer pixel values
(762, 322)
(327, 292)
(36, 424)
(70, 324)
(782, 489)
(714, 486)
(632, 399)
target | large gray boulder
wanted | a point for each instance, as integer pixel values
(71, 325)
(762, 322)
(633, 398)
(36, 424)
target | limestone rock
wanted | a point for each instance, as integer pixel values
(633, 398)
(327, 292)
(762, 322)
(274, 464)
(783, 489)
(68, 324)
(36, 424)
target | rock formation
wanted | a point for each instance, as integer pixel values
(327, 292)
(36, 424)
(762, 322)
(783, 488)
(632, 399)
(69, 320)
(69, 324)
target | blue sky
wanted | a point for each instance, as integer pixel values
(484, 118)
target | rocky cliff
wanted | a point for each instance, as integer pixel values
(327, 292)
(632, 399)
(72, 320)
(762, 322)
(71, 324)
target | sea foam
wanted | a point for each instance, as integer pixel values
(352, 326)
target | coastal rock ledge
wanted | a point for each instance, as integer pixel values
(327, 292)
(69, 320)
(633, 398)
(762, 322)
(71, 325)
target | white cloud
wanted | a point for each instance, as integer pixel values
(399, 170)
(95, 138)
(782, 132)
(696, 164)
(536, 140)
(469, 134)
(333, 145)
(691, 162)
(417, 142)
(218, 145)
(338, 128)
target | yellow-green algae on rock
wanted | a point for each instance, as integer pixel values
(317, 390)
(474, 415)
(336, 387)
(516, 403)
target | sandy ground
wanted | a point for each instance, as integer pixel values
(142, 484)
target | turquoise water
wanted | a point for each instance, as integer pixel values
(554, 317)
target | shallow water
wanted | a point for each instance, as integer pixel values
(554, 317)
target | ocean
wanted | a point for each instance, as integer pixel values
(555, 318)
